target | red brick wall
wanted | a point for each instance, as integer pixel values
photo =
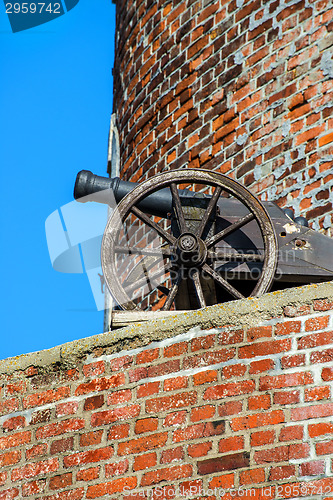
(229, 409)
(243, 87)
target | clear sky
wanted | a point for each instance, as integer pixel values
(56, 103)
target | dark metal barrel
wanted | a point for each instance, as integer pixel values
(89, 184)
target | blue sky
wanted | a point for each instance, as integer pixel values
(56, 103)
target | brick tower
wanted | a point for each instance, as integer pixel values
(241, 87)
(227, 402)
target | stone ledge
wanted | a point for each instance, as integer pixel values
(247, 311)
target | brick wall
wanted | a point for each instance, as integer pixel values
(240, 410)
(242, 87)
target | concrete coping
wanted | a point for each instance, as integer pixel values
(250, 312)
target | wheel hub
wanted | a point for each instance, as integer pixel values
(191, 251)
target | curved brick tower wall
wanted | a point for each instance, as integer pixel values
(241, 87)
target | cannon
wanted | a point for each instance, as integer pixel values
(188, 238)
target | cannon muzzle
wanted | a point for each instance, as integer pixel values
(89, 184)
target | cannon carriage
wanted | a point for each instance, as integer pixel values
(189, 238)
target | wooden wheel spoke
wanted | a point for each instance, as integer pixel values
(235, 257)
(164, 250)
(208, 213)
(162, 232)
(147, 279)
(198, 288)
(228, 230)
(172, 293)
(178, 208)
(221, 281)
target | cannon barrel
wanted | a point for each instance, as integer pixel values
(89, 184)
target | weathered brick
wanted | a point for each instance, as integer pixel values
(90, 456)
(68, 408)
(61, 481)
(88, 474)
(286, 397)
(41, 416)
(257, 420)
(261, 366)
(118, 431)
(322, 305)
(235, 443)
(172, 455)
(10, 458)
(233, 371)
(279, 381)
(199, 450)
(94, 369)
(205, 377)
(327, 374)
(205, 342)
(314, 411)
(111, 416)
(148, 389)
(324, 448)
(43, 398)
(91, 438)
(202, 413)
(262, 402)
(175, 418)
(116, 469)
(262, 438)
(122, 362)
(317, 393)
(9, 494)
(76, 494)
(93, 402)
(175, 350)
(116, 486)
(146, 425)
(54, 429)
(318, 323)
(14, 423)
(312, 468)
(164, 368)
(15, 440)
(265, 348)
(251, 476)
(140, 445)
(282, 472)
(33, 487)
(169, 474)
(208, 358)
(101, 384)
(35, 469)
(192, 432)
(165, 403)
(230, 408)
(231, 389)
(61, 445)
(258, 333)
(172, 384)
(292, 361)
(226, 462)
(292, 433)
(118, 397)
(235, 109)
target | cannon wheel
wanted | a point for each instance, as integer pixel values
(170, 179)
